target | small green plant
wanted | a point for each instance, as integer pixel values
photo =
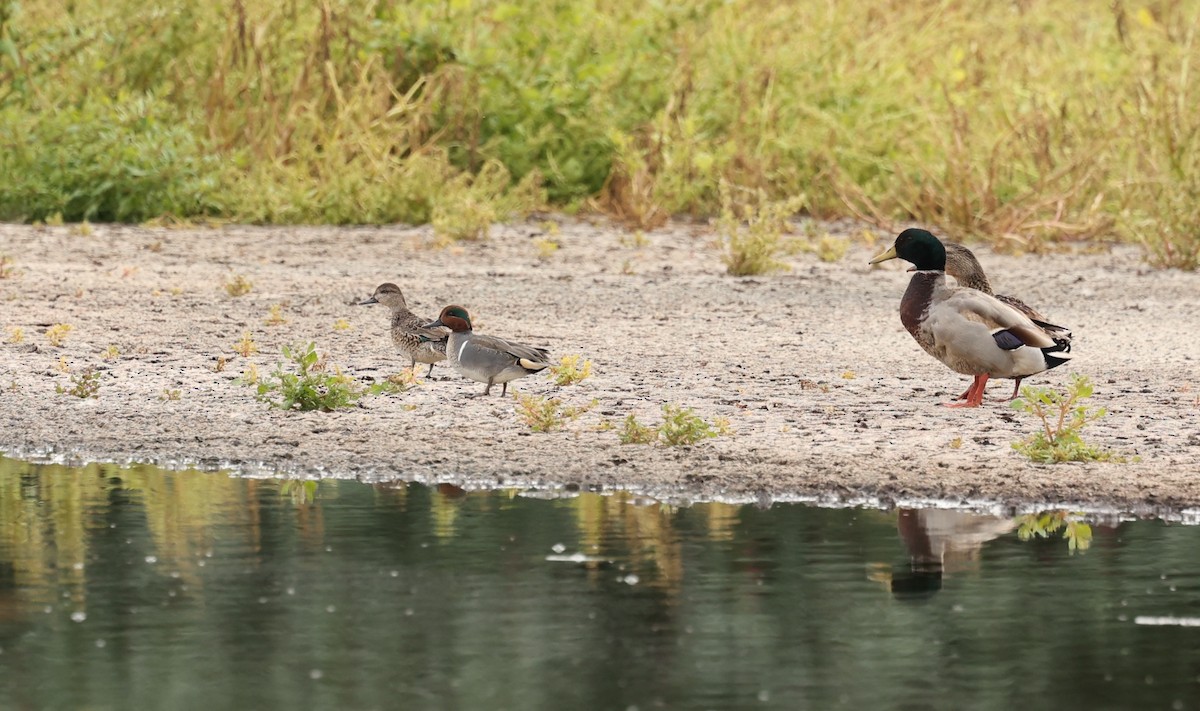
(341, 325)
(751, 227)
(636, 239)
(275, 316)
(570, 371)
(310, 386)
(171, 395)
(1062, 416)
(245, 347)
(7, 268)
(405, 379)
(547, 414)
(680, 426)
(84, 384)
(238, 285)
(1047, 523)
(111, 353)
(634, 432)
(57, 333)
(249, 375)
(16, 334)
(546, 248)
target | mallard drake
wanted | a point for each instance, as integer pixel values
(420, 344)
(970, 331)
(486, 359)
(966, 269)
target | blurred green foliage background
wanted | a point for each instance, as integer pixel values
(1026, 122)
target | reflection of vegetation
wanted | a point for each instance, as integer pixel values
(300, 491)
(1046, 524)
(1062, 416)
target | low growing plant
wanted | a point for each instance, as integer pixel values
(238, 285)
(680, 426)
(7, 268)
(752, 227)
(245, 347)
(84, 384)
(634, 432)
(547, 414)
(1062, 416)
(57, 333)
(309, 385)
(275, 316)
(570, 371)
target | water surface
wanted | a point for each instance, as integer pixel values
(132, 588)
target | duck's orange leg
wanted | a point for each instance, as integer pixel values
(974, 393)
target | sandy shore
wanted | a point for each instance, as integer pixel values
(826, 394)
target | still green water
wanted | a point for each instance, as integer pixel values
(134, 588)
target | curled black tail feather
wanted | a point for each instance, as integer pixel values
(1057, 354)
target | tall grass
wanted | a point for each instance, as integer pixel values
(1024, 121)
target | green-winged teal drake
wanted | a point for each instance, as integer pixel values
(420, 344)
(486, 359)
(971, 332)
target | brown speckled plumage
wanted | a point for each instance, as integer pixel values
(420, 344)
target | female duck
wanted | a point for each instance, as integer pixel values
(420, 344)
(971, 332)
(486, 359)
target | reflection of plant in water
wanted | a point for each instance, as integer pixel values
(1046, 524)
(656, 551)
(300, 491)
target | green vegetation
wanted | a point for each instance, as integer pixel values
(680, 426)
(547, 414)
(238, 285)
(311, 386)
(571, 370)
(57, 333)
(246, 347)
(1043, 525)
(84, 384)
(751, 227)
(1018, 122)
(1062, 417)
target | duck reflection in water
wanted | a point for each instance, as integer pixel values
(939, 542)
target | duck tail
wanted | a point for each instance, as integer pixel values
(1055, 332)
(1058, 353)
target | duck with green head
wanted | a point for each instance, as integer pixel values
(973, 333)
(486, 359)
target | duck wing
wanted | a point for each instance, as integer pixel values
(497, 350)
(1010, 329)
